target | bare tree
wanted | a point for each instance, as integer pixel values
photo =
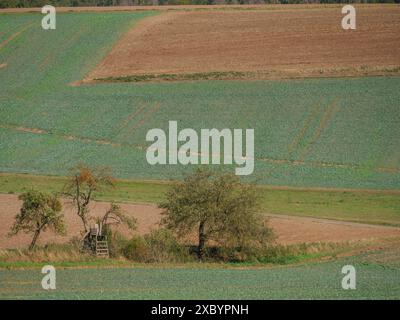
(82, 184)
(116, 216)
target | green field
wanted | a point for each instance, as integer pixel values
(312, 281)
(340, 133)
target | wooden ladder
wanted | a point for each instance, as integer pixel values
(102, 249)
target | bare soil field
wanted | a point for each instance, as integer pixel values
(259, 44)
(289, 229)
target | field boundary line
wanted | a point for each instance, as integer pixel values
(139, 27)
(62, 136)
(220, 7)
(266, 75)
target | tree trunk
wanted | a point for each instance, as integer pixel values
(35, 237)
(202, 241)
(83, 218)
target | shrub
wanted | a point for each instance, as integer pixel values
(159, 246)
(164, 247)
(116, 242)
(136, 249)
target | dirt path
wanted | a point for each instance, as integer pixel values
(289, 229)
(258, 44)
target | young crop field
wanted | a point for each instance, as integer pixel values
(316, 132)
(313, 281)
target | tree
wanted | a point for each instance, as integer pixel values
(39, 211)
(83, 183)
(116, 216)
(218, 207)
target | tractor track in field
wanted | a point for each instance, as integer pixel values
(307, 123)
(52, 56)
(62, 136)
(16, 34)
(146, 116)
(132, 116)
(322, 125)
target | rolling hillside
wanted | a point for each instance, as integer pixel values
(341, 133)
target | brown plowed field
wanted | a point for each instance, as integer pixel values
(289, 229)
(264, 43)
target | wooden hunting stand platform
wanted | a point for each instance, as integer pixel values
(96, 242)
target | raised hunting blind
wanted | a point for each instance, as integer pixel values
(95, 241)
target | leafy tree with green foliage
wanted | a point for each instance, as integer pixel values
(39, 211)
(218, 207)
